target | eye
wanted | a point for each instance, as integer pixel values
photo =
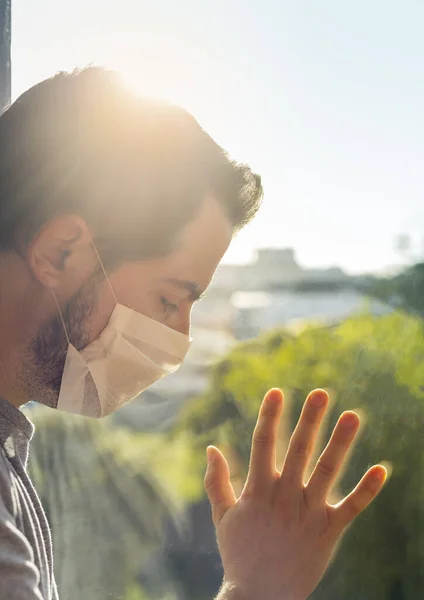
(168, 306)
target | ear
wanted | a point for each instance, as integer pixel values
(55, 246)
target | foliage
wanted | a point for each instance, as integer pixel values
(134, 592)
(376, 366)
(108, 493)
(404, 291)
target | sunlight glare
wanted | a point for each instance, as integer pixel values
(154, 81)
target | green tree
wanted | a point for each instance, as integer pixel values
(404, 291)
(108, 493)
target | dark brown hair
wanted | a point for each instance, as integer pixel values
(136, 170)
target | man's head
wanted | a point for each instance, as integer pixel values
(93, 176)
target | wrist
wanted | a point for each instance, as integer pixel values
(230, 592)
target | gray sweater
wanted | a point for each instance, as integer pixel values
(26, 559)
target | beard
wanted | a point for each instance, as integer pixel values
(46, 355)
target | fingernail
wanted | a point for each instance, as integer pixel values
(274, 395)
(380, 475)
(377, 480)
(318, 398)
(349, 420)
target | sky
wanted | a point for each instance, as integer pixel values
(323, 98)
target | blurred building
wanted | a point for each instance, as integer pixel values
(272, 268)
(257, 313)
(274, 290)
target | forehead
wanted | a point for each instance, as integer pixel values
(202, 245)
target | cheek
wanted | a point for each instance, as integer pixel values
(131, 285)
(100, 315)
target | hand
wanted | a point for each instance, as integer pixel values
(276, 540)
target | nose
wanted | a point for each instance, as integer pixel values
(184, 327)
(184, 322)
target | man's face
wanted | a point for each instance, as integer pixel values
(164, 289)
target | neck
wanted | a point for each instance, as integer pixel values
(18, 304)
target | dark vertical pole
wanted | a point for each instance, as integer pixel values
(5, 59)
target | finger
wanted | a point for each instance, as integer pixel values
(365, 492)
(262, 468)
(217, 484)
(331, 460)
(304, 437)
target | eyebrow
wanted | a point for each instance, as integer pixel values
(195, 292)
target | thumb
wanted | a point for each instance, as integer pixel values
(217, 484)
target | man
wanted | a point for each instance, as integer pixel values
(114, 214)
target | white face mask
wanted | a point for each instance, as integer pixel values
(132, 352)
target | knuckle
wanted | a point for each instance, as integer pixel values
(301, 449)
(353, 510)
(210, 482)
(311, 415)
(262, 440)
(340, 441)
(325, 469)
(269, 411)
(342, 436)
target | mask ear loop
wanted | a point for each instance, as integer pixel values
(60, 314)
(107, 279)
(104, 271)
